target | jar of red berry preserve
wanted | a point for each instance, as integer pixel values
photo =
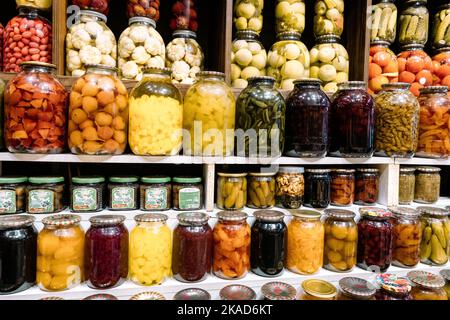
(392, 287)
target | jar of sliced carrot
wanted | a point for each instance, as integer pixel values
(342, 187)
(367, 181)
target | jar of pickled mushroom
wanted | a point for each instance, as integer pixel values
(60, 254)
(329, 17)
(143, 8)
(156, 115)
(106, 252)
(187, 193)
(342, 187)
(428, 185)
(397, 121)
(101, 6)
(184, 15)
(367, 186)
(314, 289)
(123, 193)
(352, 288)
(89, 41)
(45, 195)
(18, 247)
(231, 191)
(260, 113)
(383, 21)
(317, 188)
(261, 190)
(35, 110)
(192, 247)
(406, 185)
(150, 255)
(392, 287)
(231, 258)
(305, 242)
(427, 286)
(307, 109)
(248, 15)
(268, 241)
(288, 60)
(290, 16)
(441, 67)
(184, 56)
(140, 46)
(12, 194)
(413, 22)
(209, 116)
(446, 275)
(277, 290)
(248, 58)
(87, 194)
(383, 66)
(27, 37)
(341, 237)
(155, 193)
(290, 187)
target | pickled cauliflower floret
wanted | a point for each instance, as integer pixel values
(78, 73)
(73, 59)
(90, 54)
(180, 70)
(127, 44)
(138, 34)
(109, 61)
(140, 55)
(153, 46)
(104, 43)
(157, 62)
(193, 59)
(175, 52)
(80, 38)
(194, 71)
(94, 28)
(130, 70)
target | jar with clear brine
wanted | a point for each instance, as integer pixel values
(383, 21)
(12, 194)
(413, 22)
(439, 35)
(317, 188)
(367, 186)
(427, 286)
(342, 187)
(231, 191)
(329, 17)
(428, 185)
(44, 195)
(406, 185)
(261, 190)
(290, 16)
(290, 187)
(383, 66)
(248, 15)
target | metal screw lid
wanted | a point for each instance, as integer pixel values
(278, 291)
(289, 35)
(101, 66)
(231, 175)
(269, 215)
(380, 43)
(308, 81)
(318, 170)
(328, 38)
(61, 220)
(428, 169)
(357, 287)
(291, 170)
(426, 279)
(16, 221)
(237, 292)
(407, 169)
(412, 47)
(192, 294)
(319, 288)
(307, 214)
(340, 213)
(184, 34)
(151, 295)
(232, 215)
(445, 273)
(262, 174)
(396, 86)
(38, 64)
(433, 89)
(157, 70)
(93, 14)
(432, 211)
(101, 296)
(13, 179)
(107, 220)
(193, 218)
(343, 170)
(151, 217)
(211, 73)
(144, 20)
(404, 212)
(372, 170)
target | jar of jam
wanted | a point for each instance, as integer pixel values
(86, 194)
(317, 188)
(156, 193)
(106, 252)
(446, 275)
(184, 15)
(192, 247)
(427, 286)
(392, 287)
(237, 292)
(12, 194)
(18, 247)
(367, 183)
(356, 289)
(261, 190)
(268, 241)
(427, 188)
(314, 289)
(187, 193)
(406, 185)
(278, 291)
(342, 187)
(231, 191)
(123, 193)
(290, 187)
(45, 195)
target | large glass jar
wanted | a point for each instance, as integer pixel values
(383, 66)
(231, 258)
(352, 121)
(307, 110)
(367, 186)
(27, 37)
(392, 287)
(413, 22)
(140, 47)
(352, 288)
(397, 121)
(260, 113)
(441, 67)
(60, 254)
(290, 187)
(89, 41)
(288, 60)
(150, 253)
(315, 289)
(143, 8)
(35, 110)
(342, 187)
(45, 195)
(231, 191)
(156, 115)
(209, 111)
(445, 273)
(248, 15)
(87, 194)
(305, 242)
(329, 17)
(435, 246)
(18, 247)
(383, 23)
(12, 194)
(268, 241)
(261, 190)
(2, 35)
(106, 245)
(101, 6)
(406, 185)
(427, 286)
(192, 247)
(290, 16)
(317, 188)
(428, 185)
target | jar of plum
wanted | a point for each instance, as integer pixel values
(427, 286)
(441, 67)
(106, 252)
(435, 245)
(383, 66)
(143, 8)
(192, 247)
(406, 185)
(317, 188)
(35, 110)
(413, 22)
(184, 15)
(367, 185)
(307, 110)
(342, 187)
(356, 289)
(101, 6)
(392, 287)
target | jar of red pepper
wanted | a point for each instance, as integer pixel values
(392, 287)
(366, 190)
(143, 8)
(101, 6)
(184, 15)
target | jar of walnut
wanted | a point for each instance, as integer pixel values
(290, 187)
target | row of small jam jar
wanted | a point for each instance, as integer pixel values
(421, 185)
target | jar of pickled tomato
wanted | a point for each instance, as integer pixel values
(427, 286)
(441, 67)
(383, 66)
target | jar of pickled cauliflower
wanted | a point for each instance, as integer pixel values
(329, 17)
(248, 15)
(413, 22)
(441, 63)
(383, 21)
(290, 16)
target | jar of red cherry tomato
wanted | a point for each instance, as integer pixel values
(184, 15)
(383, 66)
(366, 190)
(392, 287)
(441, 67)
(101, 6)
(143, 8)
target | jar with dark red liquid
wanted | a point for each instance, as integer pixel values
(366, 186)
(392, 287)
(317, 188)
(184, 15)
(106, 257)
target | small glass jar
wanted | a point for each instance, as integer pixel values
(237, 292)
(329, 17)
(261, 190)
(18, 247)
(268, 241)
(101, 6)
(446, 275)
(12, 194)
(342, 187)
(248, 15)
(367, 186)
(406, 185)
(383, 66)
(87, 193)
(231, 257)
(413, 21)
(143, 8)
(384, 21)
(187, 193)
(290, 187)
(192, 247)
(60, 255)
(155, 193)
(441, 21)
(428, 185)
(184, 15)
(106, 252)
(352, 288)
(314, 289)
(427, 286)
(123, 193)
(393, 287)
(45, 195)
(231, 191)
(278, 291)
(317, 188)
(290, 16)
(441, 63)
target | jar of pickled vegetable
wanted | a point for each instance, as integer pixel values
(184, 15)
(288, 60)
(406, 185)
(35, 110)
(383, 21)
(156, 115)
(305, 242)
(231, 258)
(367, 186)
(101, 6)
(441, 67)
(342, 187)
(45, 195)
(143, 8)
(260, 112)
(428, 185)
(60, 254)
(87, 194)
(290, 187)
(12, 194)
(307, 109)
(123, 193)
(427, 286)
(106, 252)
(317, 188)
(290, 16)
(329, 17)
(248, 15)
(352, 288)
(187, 193)
(155, 193)
(231, 191)
(150, 255)
(261, 190)
(341, 237)
(383, 66)
(446, 275)
(440, 24)
(413, 21)
(392, 287)
(314, 289)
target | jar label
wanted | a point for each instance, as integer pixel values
(155, 198)
(84, 199)
(122, 198)
(7, 201)
(40, 201)
(189, 198)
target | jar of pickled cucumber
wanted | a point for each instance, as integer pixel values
(383, 21)
(315, 289)
(441, 22)
(231, 191)
(406, 185)
(329, 17)
(248, 15)
(413, 21)
(12, 194)
(261, 190)
(428, 185)
(290, 16)
(427, 286)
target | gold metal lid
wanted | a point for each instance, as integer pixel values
(319, 288)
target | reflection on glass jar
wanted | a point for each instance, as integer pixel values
(427, 286)
(317, 188)
(428, 185)
(231, 191)
(367, 186)
(261, 190)
(290, 187)
(413, 21)
(392, 287)
(342, 187)
(383, 21)
(406, 185)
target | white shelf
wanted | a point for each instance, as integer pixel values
(422, 162)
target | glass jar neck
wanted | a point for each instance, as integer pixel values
(308, 220)
(57, 227)
(90, 17)
(236, 223)
(307, 85)
(38, 69)
(396, 88)
(245, 35)
(351, 86)
(106, 225)
(434, 94)
(158, 224)
(267, 83)
(163, 77)
(210, 77)
(29, 12)
(397, 295)
(185, 224)
(101, 70)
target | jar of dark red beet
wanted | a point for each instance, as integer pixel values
(192, 247)
(366, 186)
(106, 244)
(392, 287)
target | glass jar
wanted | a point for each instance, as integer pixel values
(341, 237)
(413, 22)
(156, 115)
(184, 15)
(367, 186)
(342, 187)
(140, 47)
(441, 22)
(187, 193)
(329, 17)
(406, 185)
(150, 255)
(383, 66)
(192, 247)
(209, 111)
(143, 8)
(427, 286)
(87, 193)
(2, 41)
(290, 16)
(356, 289)
(18, 247)
(2, 104)
(268, 240)
(278, 291)
(260, 112)
(35, 110)
(307, 108)
(231, 257)
(123, 193)
(155, 193)
(106, 252)
(290, 187)
(383, 21)
(428, 185)
(288, 60)
(101, 6)
(441, 67)
(89, 41)
(184, 56)
(231, 191)
(446, 275)
(397, 121)
(248, 58)
(12, 194)
(317, 188)
(314, 289)
(305, 242)
(60, 254)
(248, 15)
(261, 190)
(45, 195)
(392, 287)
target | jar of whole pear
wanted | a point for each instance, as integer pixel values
(290, 16)
(329, 17)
